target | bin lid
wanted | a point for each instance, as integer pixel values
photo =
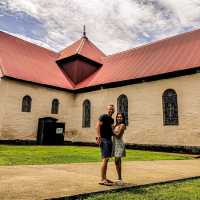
(48, 119)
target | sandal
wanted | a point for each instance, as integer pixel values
(119, 182)
(109, 181)
(105, 182)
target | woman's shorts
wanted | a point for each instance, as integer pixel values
(106, 148)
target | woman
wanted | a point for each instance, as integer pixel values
(118, 144)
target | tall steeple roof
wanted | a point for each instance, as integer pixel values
(83, 47)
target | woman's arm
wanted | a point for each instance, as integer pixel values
(120, 132)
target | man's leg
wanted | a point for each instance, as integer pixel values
(104, 168)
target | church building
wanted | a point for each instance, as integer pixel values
(156, 86)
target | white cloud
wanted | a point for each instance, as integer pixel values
(30, 7)
(113, 25)
(187, 11)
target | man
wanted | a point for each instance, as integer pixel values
(104, 139)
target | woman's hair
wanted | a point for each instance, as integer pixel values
(123, 116)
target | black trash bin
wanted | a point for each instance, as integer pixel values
(60, 130)
(50, 132)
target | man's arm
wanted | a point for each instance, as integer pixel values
(98, 137)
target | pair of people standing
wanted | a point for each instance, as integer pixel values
(116, 147)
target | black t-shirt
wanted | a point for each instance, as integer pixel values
(106, 127)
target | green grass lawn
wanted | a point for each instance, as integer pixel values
(184, 190)
(29, 155)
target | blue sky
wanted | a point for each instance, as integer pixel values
(113, 25)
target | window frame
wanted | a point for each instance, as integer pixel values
(26, 104)
(86, 120)
(170, 108)
(55, 106)
(120, 100)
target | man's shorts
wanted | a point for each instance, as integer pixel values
(106, 148)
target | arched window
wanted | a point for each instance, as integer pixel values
(86, 114)
(170, 107)
(55, 106)
(26, 104)
(122, 106)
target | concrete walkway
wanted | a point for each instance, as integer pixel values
(53, 181)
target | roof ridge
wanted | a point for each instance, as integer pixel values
(152, 43)
(81, 45)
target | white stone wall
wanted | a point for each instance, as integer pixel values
(145, 111)
(23, 125)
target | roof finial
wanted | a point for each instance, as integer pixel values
(84, 32)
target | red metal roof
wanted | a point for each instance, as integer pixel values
(172, 54)
(82, 47)
(23, 60)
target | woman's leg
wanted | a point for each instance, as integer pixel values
(118, 167)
